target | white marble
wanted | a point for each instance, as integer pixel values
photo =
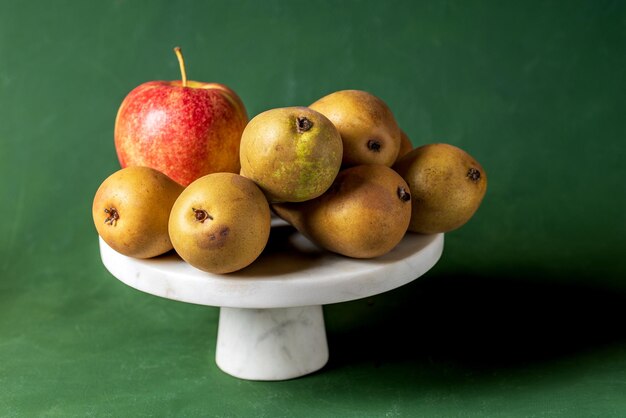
(292, 272)
(271, 344)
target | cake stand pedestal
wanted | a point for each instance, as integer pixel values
(271, 324)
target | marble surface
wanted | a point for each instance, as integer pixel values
(291, 272)
(271, 344)
(271, 321)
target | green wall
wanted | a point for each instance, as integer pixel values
(521, 317)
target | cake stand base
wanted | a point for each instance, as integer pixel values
(271, 324)
(271, 344)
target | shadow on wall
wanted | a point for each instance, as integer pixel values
(475, 323)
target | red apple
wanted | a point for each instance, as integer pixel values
(185, 129)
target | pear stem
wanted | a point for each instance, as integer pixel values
(181, 62)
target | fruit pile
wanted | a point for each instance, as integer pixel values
(198, 178)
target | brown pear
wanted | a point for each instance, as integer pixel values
(368, 128)
(405, 145)
(131, 210)
(293, 154)
(447, 187)
(364, 214)
(220, 223)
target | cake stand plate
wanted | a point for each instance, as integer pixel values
(271, 324)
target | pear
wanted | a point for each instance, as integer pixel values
(406, 145)
(364, 214)
(367, 126)
(220, 223)
(293, 154)
(131, 210)
(447, 187)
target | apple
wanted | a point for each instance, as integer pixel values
(184, 129)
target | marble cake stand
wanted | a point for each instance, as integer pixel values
(271, 325)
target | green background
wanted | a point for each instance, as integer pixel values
(523, 315)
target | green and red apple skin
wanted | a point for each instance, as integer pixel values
(185, 129)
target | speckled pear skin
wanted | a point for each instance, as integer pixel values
(406, 145)
(293, 154)
(220, 223)
(368, 128)
(131, 210)
(364, 214)
(447, 187)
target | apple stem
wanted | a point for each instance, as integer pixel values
(181, 62)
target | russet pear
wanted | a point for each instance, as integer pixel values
(220, 223)
(364, 214)
(447, 187)
(293, 154)
(406, 145)
(368, 128)
(131, 210)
